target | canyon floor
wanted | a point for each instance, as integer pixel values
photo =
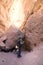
(35, 57)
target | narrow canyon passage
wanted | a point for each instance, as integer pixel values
(21, 19)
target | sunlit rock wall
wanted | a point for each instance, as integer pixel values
(4, 19)
(14, 10)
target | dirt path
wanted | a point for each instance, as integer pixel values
(28, 58)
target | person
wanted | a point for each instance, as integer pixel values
(19, 45)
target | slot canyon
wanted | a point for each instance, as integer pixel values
(19, 18)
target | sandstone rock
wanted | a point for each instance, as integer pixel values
(12, 35)
(34, 29)
(2, 45)
(32, 23)
(29, 7)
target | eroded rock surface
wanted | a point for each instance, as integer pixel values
(34, 29)
(32, 25)
(10, 38)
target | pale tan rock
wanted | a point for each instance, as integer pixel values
(29, 7)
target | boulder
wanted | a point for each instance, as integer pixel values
(12, 35)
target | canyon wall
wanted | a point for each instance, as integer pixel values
(21, 15)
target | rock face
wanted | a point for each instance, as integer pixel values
(28, 6)
(13, 35)
(28, 17)
(10, 38)
(34, 29)
(4, 19)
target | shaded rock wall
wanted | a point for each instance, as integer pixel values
(34, 29)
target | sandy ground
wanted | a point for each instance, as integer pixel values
(34, 57)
